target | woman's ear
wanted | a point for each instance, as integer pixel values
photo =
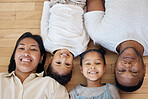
(41, 59)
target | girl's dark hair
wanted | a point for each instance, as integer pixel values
(38, 39)
(100, 51)
(62, 79)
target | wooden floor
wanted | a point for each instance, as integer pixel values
(19, 16)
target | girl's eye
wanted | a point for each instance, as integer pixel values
(67, 64)
(134, 72)
(98, 63)
(58, 62)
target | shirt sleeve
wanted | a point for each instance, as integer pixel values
(114, 91)
(92, 21)
(60, 93)
(45, 19)
(72, 94)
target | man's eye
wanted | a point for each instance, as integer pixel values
(87, 64)
(121, 70)
(58, 62)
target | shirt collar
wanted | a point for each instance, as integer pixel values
(13, 74)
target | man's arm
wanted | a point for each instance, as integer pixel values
(95, 5)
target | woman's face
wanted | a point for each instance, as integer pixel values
(27, 56)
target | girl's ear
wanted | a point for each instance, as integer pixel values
(105, 66)
(81, 69)
(50, 60)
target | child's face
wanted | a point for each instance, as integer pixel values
(93, 66)
(62, 62)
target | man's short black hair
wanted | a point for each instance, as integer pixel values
(62, 79)
(128, 88)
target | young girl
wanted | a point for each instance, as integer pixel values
(63, 35)
(93, 66)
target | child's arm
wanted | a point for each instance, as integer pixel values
(45, 19)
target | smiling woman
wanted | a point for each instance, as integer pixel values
(25, 79)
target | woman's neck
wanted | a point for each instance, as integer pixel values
(21, 76)
(94, 83)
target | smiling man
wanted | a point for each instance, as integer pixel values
(121, 27)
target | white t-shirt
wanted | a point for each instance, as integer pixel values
(62, 28)
(122, 20)
(34, 87)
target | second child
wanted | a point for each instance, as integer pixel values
(93, 66)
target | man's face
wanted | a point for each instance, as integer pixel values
(129, 68)
(62, 62)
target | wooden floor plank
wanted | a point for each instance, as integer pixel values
(17, 6)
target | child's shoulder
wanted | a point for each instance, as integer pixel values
(111, 86)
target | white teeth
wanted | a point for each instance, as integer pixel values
(93, 72)
(64, 54)
(26, 60)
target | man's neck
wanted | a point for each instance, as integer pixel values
(130, 43)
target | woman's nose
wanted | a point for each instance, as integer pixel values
(26, 53)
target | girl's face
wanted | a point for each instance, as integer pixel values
(93, 66)
(62, 62)
(27, 56)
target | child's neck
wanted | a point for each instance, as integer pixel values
(94, 83)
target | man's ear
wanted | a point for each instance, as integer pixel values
(144, 69)
(50, 60)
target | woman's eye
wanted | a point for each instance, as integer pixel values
(21, 48)
(58, 62)
(33, 49)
